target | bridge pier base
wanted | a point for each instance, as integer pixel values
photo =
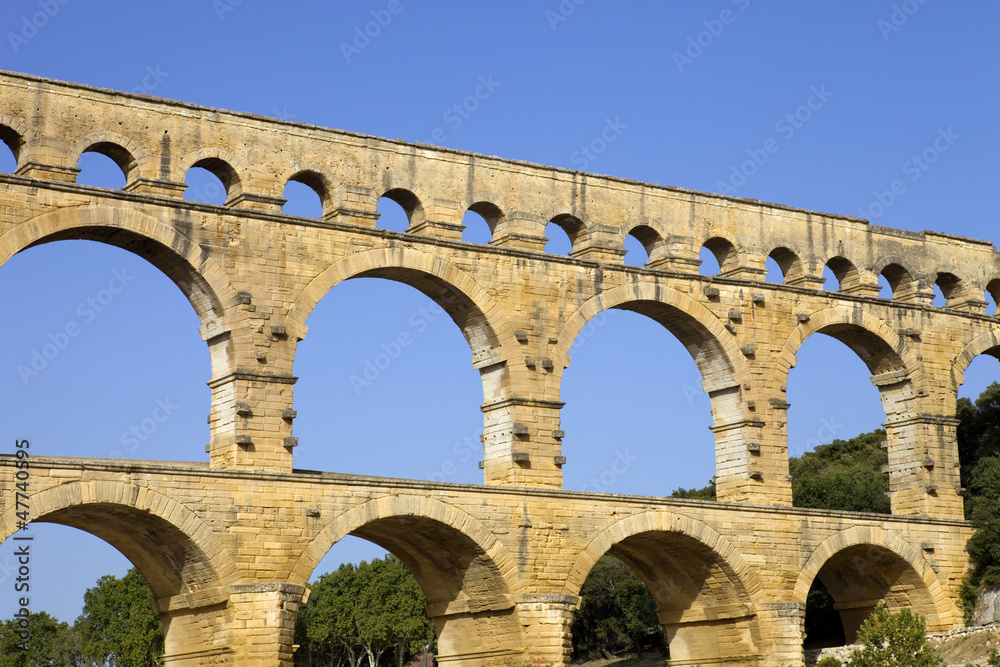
(546, 619)
(782, 625)
(262, 627)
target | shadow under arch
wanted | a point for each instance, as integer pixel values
(467, 575)
(876, 344)
(180, 258)
(466, 302)
(704, 589)
(864, 565)
(706, 339)
(182, 559)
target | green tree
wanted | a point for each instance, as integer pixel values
(843, 475)
(983, 506)
(50, 643)
(704, 493)
(894, 640)
(118, 625)
(617, 613)
(978, 430)
(364, 611)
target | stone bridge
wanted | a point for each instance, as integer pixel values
(228, 544)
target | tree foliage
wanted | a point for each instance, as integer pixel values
(50, 643)
(979, 455)
(118, 625)
(364, 612)
(894, 640)
(704, 493)
(617, 613)
(843, 475)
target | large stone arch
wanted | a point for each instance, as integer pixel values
(864, 565)
(712, 347)
(186, 564)
(984, 343)
(201, 279)
(467, 303)
(705, 591)
(466, 573)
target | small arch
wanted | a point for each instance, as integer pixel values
(992, 296)
(844, 272)
(650, 241)
(788, 263)
(481, 220)
(724, 253)
(307, 194)
(222, 166)
(14, 141)
(99, 170)
(902, 284)
(951, 287)
(118, 154)
(557, 242)
(985, 343)
(574, 228)
(406, 200)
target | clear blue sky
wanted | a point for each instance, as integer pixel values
(688, 113)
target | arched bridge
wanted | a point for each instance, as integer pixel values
(228, 544)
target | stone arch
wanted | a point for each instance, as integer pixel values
(846, 272)
(199, 277)
(490, 211)
(876, 562)
(188, 568)
(576, 224)
(726, 252)
(16, 135)
(789, 260)
(129, 157)
(468, 304)
(984, 343)
(704, 589)
(713, 348)
(466, 573)
(878, 345)
(318, 179)
(233, 171)
(650, 233)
